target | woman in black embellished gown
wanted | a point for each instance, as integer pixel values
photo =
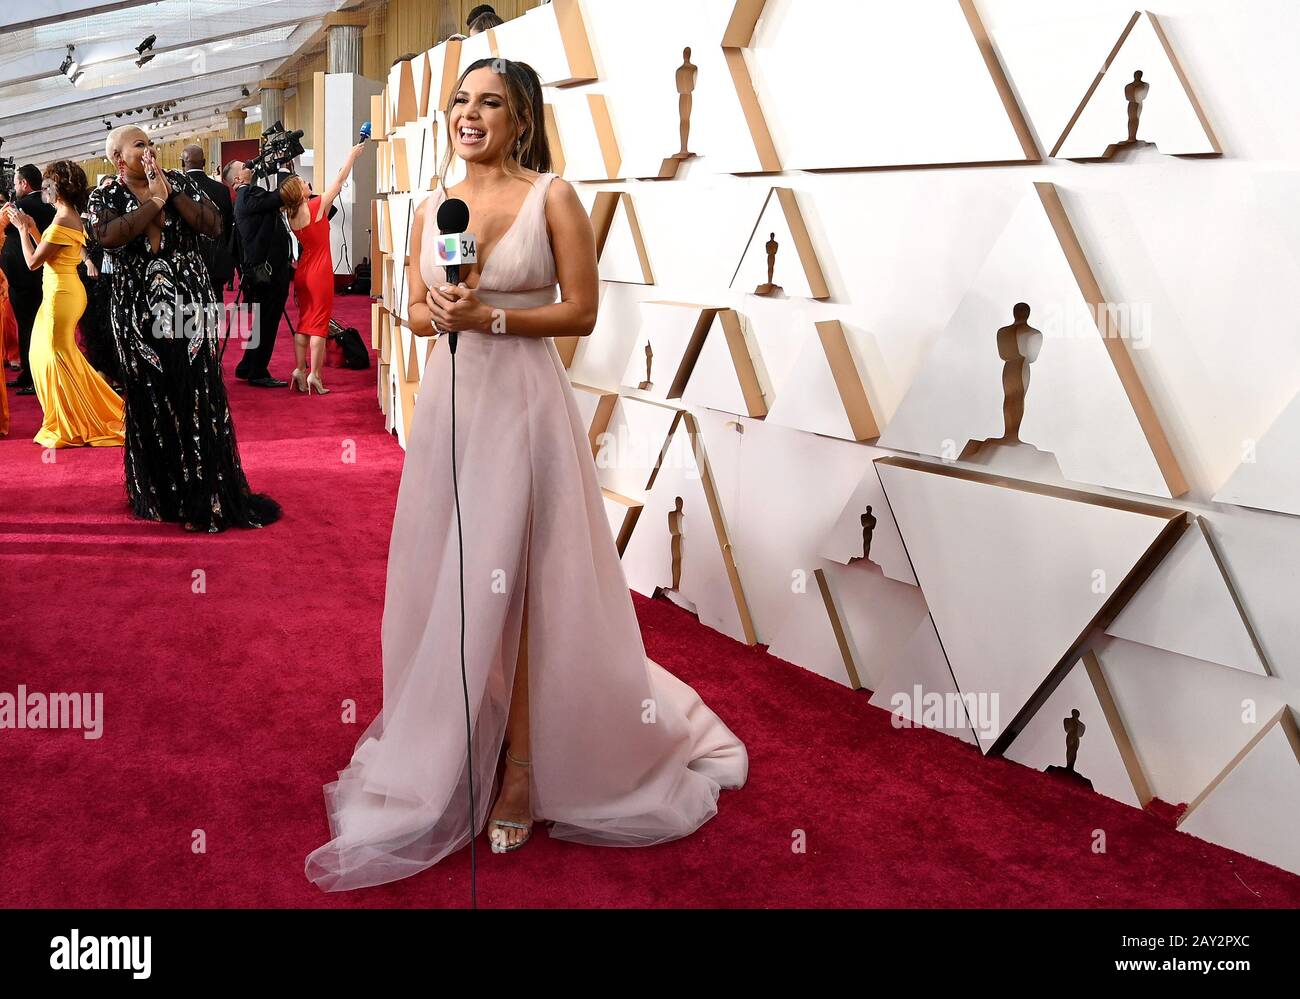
(182, 462)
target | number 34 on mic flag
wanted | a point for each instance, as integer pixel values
(457, 248)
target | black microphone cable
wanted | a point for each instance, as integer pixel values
(464, 682)
(454, 217)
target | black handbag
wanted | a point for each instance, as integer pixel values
(355, 354)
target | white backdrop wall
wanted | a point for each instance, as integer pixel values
(1207, 248)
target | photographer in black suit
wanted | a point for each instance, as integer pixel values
(266, 270)
(25, 283)
(220, 253)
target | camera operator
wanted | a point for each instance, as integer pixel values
(220, 252)
(266, 269)
(25, 283)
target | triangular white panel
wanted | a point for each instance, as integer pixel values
(535, 37)
(933, 98)
(1254, 806)
(714, 380)
(846, 541)
(648, 559)
(1075, 406)
(1271, 479)
(1014, 578)
(620, 257)
(1188, 606)
(783, 241)
(627, 455)
(1166, 115)
(669, 330)
(474, 48)
(807, 397)
(918, 688)
(1042, 742)
(584, 158)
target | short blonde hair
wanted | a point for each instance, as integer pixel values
(116, 139)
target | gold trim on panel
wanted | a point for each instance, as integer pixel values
(605, 134)
(719, 523)
(848, 382)
(739, 33)
(1284, 718)
(318, 119)
(567, 348)
(1116, 348)
(577, 44)
(837, 626)
(1000, 81)
(1105, 66)
(407, 105)
(630, 517)
(768, 159)
(1110, 710)
(604, 410)
(553, 139)
(743, 362)
(603, 211)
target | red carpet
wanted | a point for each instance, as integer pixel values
(222, 714)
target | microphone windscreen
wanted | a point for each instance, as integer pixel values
(453, 216)
(365, 130)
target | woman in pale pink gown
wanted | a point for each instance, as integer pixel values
(600, 743)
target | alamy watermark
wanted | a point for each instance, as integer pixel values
(212, 321)
(60, 710)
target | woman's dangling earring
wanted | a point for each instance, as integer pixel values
(121, 171)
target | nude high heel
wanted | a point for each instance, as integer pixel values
(313, 382)
(298, 381)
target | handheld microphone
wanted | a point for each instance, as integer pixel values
(456, 246)
(365, 130)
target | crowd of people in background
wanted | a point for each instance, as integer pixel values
(90, 273)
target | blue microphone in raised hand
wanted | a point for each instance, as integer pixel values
(365, 131)
(456, 246)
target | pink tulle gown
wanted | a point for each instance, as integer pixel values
(623, 753)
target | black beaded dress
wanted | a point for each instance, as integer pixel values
(182, 461)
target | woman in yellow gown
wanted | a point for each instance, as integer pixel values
(80, 408)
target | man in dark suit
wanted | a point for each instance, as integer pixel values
(25, 283)
(263, 240)
(219, 252)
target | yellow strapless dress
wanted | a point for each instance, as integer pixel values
(80, 408)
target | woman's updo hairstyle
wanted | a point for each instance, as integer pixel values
(70, 185)
(482, 18)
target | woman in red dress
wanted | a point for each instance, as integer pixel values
(313, 279)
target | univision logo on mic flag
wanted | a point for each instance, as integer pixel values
(457, 248)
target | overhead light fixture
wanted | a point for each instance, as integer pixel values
(77, 77)
(146, 45)
(144, 59)
(65, 67)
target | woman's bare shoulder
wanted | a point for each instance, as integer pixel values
(562, 195)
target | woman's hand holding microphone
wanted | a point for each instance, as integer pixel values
(456, 307)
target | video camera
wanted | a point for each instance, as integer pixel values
(278, 148)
